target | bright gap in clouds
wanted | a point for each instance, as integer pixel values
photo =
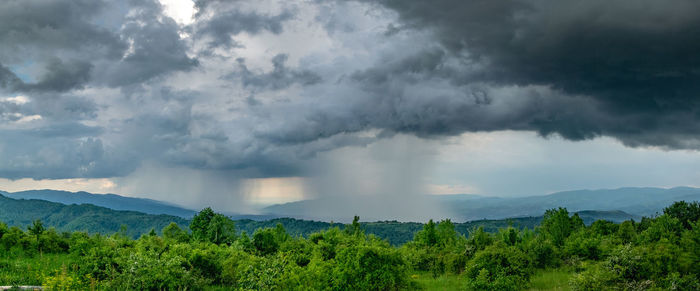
(182, 11)
(267, 191)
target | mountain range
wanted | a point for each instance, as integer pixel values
(634, 202)
(81, 217)
(111, 201)
(96, 219)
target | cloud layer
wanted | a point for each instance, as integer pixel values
(94, 89)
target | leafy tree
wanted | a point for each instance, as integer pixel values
(200, 224)
(221, 230)
(3, 229)
(37, 228)
(174, 232)
(480, 239)
(264, 241)
(499, 267)
(685, 212)
(626, 231)
(354, 228)
(557, 225)
(428, 236)
(212, 227)
(446, 233)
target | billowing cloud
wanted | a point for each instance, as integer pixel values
(637, 60)
(95, 89)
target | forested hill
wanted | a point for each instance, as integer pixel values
(83, 217)
(111, 201)
(400, 232)
(91, 218)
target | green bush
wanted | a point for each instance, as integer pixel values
(499, 265)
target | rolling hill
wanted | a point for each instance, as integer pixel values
(634, 202)
(96, 219)
(83, 217)
(111, 201)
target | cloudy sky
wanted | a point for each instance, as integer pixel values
(237, 104)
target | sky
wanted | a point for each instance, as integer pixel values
(242, 104)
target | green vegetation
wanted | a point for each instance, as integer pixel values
(84, 217)
(560, 254)
(95, 219)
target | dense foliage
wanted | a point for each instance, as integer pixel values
(84, 217)
(656, 253)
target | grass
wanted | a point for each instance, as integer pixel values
(444, 282)
(551, 279)
(29, 270)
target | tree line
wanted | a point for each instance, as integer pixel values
(662, 252)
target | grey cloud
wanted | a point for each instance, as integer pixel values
(59, 76)
(31, 27)
(221, 20)
(62, 76)
(637, 59)
(28, 155)
(90, 42)
(443, 68)
(8, 79)
(155, 48)
(279, 78)
(64, 130)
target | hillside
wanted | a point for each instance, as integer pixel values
(111, 201)
(400, 232)
(91, 218)
(83, 217)
(635, 202)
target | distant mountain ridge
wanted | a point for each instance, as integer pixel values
(95, 219)
(81, 217)
(111, 201)
(634, 202)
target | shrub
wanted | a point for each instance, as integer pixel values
(499, 265)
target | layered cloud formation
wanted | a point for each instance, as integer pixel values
(94, 89)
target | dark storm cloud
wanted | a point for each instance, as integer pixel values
(62, 76)
(97, 78)
(49, 51)
(154, 47)
(28, 27)
(638, 60)
(221, 20)
(279, 78)
(8, 79)
(112, 43)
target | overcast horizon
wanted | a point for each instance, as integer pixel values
(237, 104)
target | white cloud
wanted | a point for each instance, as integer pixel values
(181, 11)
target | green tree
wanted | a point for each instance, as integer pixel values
(446, 233)
(174, 232)
(354, 228)
(37, 228)
(212, 227)
(264, 241)
(685, 212)
(221, 230)
(428, 236)
(200, 224)
(557, 225)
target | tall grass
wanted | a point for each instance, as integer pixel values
(17, 268)
(551, 279)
